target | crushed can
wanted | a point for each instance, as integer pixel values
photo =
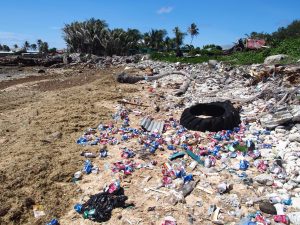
(244, 165)
(281, 219)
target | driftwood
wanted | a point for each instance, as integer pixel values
(183, 88)
(288, 95)
(131, 103)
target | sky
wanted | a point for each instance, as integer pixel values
(220, 22)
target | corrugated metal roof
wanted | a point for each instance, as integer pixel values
(152, 125)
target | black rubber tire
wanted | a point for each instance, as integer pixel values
(223, 117)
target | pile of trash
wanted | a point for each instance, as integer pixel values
(247, 175)
(225, 152)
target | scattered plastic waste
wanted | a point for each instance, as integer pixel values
(53, 222)
(99, 207)
(87, 167)
(218, 150)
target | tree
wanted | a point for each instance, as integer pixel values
(16, 46)
(1, 47)
(193, 31)
(291, 31)
(26, 45)
(212, 47)
(155, 39)
(169, 43)
(44, 48)
(52, 50)
(178, 37)
(134, 37)
(33, 47)
(89, 36)
(5, 48)
(39, 44)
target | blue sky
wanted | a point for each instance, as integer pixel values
(220, 21)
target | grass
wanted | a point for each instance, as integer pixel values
(291, 47)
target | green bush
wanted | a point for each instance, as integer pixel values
(290, 47)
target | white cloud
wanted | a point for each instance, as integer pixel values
(165, 10)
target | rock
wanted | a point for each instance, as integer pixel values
(174, 197)
(294, 137)
(52, 137)
(229, 81)
(275, 59)
(231, 200)
(264, 179)
(267, 207)
(294, 130)
(294, 218)
(145, 57)
(280, 130)
(3, 140)
(212, 63)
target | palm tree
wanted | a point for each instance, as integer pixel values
(33, 47)
(44, 48)
(39, 44)
(169, 43)
(155, 39)
(5, 48)
(86, 37)
(26, 45)
(193, 31)
(178, 37)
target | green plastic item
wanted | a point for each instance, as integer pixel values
(230, 148)
(241, 148)
(86, 214)
(195, 157)
(176, 155)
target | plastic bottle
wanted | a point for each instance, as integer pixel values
(78, 208)
(171, 147)
(89, 155)
(53, 222)
(87, 167)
